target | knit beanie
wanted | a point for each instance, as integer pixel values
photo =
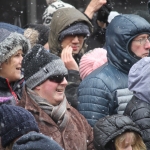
(91, 61)
(11, 28)
(43, 33)
(35, 141)
(79, 28)
(48, 13)
(39, 64)
(14, 122)
(10, 43)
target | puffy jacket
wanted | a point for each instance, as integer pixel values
(105, 91)
(109, 127)
(138, 109)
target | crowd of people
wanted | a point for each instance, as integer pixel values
(77, 81)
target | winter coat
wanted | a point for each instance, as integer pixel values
(138, 109)
(77, 135)
(10, 93)
(108, 128)
(139, 112)
(105, 91)
(58, 24)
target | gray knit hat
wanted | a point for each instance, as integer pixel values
(39, 64)
(10, 43)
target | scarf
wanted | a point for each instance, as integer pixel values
(57, 113)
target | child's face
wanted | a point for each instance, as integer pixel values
(127, 143)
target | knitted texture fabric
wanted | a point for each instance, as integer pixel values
(43, 33)
(10, 43)
(91, 61)
(14, 122)
(48, 13)
(39, 64)
(75, 29)
(35, 141)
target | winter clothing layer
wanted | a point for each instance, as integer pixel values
(14, 122)
(138, 79)
(35, 141)
(10, 93)
(66, 18)
(139, 107)
(79, 28)
(105, 91)
(49, 11)
(109, 127)
(47, 64)
(138, 110)
(77, 134)
(10, 43)
(11, 28)
(91, 61)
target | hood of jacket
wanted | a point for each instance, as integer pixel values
(119, 34)
(106, 129)
(60, 22)
(139, 79)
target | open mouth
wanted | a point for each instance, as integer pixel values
(18, 68)
(60, 90)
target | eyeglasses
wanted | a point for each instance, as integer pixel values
(143, 40)
(58, 78)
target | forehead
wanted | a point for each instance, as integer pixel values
(142, 36)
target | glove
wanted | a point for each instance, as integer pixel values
(104, 11)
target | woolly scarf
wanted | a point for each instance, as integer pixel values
(57, 113)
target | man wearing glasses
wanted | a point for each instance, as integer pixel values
(44, 96)
(105, 91)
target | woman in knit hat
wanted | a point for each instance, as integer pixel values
(12, 48)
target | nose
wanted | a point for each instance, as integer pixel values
(64, 82)
(75, 40)
(147, 44)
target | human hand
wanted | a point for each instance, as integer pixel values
(93, 7)
(68, 59)
(104, 11)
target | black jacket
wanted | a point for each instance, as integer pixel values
(139, 111)
(10, 93)
(109, 127)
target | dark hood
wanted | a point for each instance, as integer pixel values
(119, 33)
(108, 128)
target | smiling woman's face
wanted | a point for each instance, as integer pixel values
(11, 69)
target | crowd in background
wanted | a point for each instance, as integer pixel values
(79, 81)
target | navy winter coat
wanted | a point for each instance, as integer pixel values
(105, 91)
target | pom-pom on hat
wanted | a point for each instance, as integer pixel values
(91, 61)
(10, 43)
(15, 121)
(39, 64)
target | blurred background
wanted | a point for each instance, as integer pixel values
(22, 12)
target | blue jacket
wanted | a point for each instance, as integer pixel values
(105, 91)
